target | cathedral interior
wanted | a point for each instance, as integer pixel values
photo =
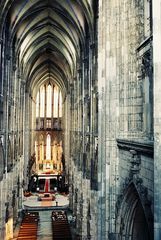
(80, 119)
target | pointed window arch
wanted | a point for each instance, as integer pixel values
(37, 104)
(60, 104)
(49, 107)
(56, 100)
(49, 101)
(48, 147)
(42, 101)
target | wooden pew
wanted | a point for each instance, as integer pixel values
(60, 226)
(29, 225)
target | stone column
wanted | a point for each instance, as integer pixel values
(6, 116)
(101, 122)
(26, 133)
(157, 116)
(67, 119)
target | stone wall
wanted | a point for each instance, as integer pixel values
(125, 109)
(108, 123)
(157, 116)
(11, 197)
(83, 203)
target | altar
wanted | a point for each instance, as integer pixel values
(50, 160)
(47, 166)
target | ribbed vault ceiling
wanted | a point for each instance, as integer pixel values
(46, 37)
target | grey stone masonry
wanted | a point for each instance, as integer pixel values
(125, 87)
(157, 117)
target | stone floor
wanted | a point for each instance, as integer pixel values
(44, 226)
(61, 201)
(45, 209)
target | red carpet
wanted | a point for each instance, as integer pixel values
(46, 185)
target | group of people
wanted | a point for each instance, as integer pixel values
(59, 215)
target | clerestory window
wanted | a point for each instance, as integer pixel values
(48, 106)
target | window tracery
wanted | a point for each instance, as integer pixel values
(49, 112)
(48, 106)
(48, 147)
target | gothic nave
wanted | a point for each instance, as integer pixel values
(80, 119)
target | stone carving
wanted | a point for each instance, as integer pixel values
(135, 162)
(141, 190)
(146, 64)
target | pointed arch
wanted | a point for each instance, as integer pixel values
(42, 101)
(49, 101)
(48, 147)
(56, 100)
(60, 104)
(37, 104)
(132, 223)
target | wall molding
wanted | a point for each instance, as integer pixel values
(141, 147)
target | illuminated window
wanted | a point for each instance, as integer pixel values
(37, 105)
(48, 147)
(60, 104)
(56, 97)
(48, 105)
(49, 101)
(42, 101)
(48, 123)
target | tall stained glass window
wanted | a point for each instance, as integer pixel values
(48, 147)
(49, 101)
(37, 104)
(48, 104)
(56, 98)
(42, 101)
(60, 104)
